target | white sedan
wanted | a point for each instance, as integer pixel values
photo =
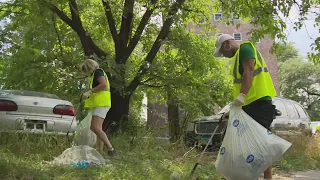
(35, 111)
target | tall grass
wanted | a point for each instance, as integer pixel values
(22, 156)
(303, 155)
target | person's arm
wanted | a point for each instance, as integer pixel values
(247, 77)
(247, 62)
(102, 85)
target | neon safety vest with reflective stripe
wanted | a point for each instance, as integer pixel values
(99, 99)
(262, 84)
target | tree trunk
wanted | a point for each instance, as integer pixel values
(119, 112)
(173, 116)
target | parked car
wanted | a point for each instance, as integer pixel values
(291, 119)
(35, 111)
(199, 130)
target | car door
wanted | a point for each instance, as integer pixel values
(280, 122)
(293, 121)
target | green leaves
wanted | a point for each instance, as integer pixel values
(300, 81)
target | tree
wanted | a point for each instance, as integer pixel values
(300, 81)
(122, 34)
(188, 78)
(285, 51)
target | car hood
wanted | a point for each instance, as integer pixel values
(213, 118)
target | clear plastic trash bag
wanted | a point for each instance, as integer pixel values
(79, 156)
(248, 148)
(83, 134)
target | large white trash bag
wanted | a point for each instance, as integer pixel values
(83, 134)
(248, 148)
(76, 154)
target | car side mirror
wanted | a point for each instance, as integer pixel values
(278, 112)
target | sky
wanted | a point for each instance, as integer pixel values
(304, 37)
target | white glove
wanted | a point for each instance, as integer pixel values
(239, 100)
(86, 94)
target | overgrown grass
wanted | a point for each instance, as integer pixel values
(303, 155)
(22, 156)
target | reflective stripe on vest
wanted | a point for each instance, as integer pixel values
(256, 71)
(262, 84)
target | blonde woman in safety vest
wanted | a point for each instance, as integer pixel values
(253, 88)
(98, 99)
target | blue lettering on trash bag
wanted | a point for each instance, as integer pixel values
(222, 151)
(256, 162)
(269, 132)
(236, 123)
(250, 158)
(242, 128)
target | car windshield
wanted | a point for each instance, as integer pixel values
(28, 93)
(225, 109)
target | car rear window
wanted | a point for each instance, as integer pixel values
(301, 111)
(291, 110)
(28, 93)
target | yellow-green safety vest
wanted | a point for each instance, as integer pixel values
(318, 127)
(99, 99)
(262, 84)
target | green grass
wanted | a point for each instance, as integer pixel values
(303, 155)
(22, 156)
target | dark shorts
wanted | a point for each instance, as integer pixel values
(263, 111)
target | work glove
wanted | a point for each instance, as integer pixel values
(225, 115)
(239, 100)
(86, 94)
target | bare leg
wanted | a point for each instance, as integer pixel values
(96, 127)
(99, 144)
(268, 173)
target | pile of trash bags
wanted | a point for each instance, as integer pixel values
(81, 154)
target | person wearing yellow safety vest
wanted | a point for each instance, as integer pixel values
(318, 129)
(253, 88)
(98, 99)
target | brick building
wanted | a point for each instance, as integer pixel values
(157, 114)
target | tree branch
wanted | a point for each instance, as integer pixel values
(137, 35)
(156, 45)
(74, 11)
(56, 31)
(61, 15)
(310, 92)
(111, 22)
(126, 22)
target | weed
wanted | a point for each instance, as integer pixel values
(22, 156)
(303, 155)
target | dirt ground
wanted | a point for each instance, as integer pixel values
(309, 175)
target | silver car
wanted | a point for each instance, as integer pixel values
(292, 118)
(36, 112)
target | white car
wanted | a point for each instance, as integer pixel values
(35, 111)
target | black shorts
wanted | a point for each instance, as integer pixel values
(263, 111)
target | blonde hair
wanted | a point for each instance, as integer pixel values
(88, 66)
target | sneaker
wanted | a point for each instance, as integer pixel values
(112, 153)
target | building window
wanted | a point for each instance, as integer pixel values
(235, 16)
(217, 17)
(237, 36)
(259, 40)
